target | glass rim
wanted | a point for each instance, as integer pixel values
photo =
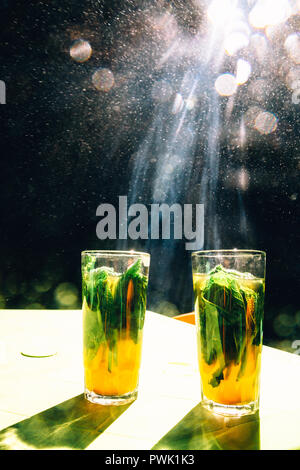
(232, 252)
(115, 253)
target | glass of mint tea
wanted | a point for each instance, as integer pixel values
(114, 293)
(229, 289)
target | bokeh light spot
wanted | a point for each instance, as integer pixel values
(292, 46)
(190, 103)
(178, 104)
(34, 306)
(284, 325)
(269, 12)
(66, 295)
(103, 79)
(169, 168)
(251, 114)
(80, 50)
(293, 78)
(42, 285)
(266, 123)
(259, 45)
(226, 84)
(243, 71)
(243, 179)
(235, 41)
(221, 11)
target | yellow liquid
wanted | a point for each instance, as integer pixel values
(123, 377)
(232, 390)
(109, 376)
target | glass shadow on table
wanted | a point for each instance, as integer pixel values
(73, 424)
(203, 430)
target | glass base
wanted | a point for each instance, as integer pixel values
(110, 399)
(230, 410)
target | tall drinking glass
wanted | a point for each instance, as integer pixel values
(229, 288)
(114, 292)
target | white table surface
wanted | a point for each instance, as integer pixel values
(169, 380)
